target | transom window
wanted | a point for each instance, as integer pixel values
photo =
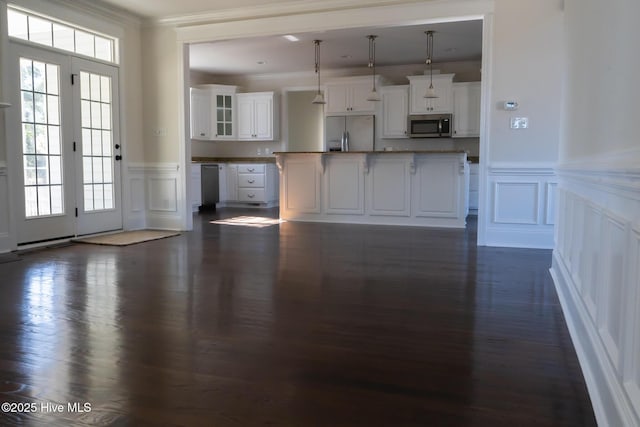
(46, 31)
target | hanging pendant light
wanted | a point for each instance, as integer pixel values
(430, 93)
(373, 95)
(319, 99)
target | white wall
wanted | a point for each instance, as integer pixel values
(527, 68)
(596, 257)
(518, 176)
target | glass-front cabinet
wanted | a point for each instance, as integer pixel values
(213, 112)
(224, 127)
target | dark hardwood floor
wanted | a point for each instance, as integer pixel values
(297, 324)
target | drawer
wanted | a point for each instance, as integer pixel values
(251, 195)
(251, 180)
(251, 168)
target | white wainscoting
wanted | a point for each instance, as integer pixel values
(153, 200)
(596, 270)
(521, 205)
(5, 241)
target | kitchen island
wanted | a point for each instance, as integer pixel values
(418, 188)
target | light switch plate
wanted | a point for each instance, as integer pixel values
(519, 122)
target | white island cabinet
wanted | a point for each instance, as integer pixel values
(420, 188)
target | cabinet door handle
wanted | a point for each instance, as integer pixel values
(201, 134)
(250, 169)
(251, 181)
(251, 196)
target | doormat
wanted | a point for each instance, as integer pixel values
(248, 221)
(126, 238)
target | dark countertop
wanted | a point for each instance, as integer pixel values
(375, 152)
(265, 159)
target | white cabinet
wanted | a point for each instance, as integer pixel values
(196, 190)
(466, 109)
(443, 86)
(230, 183)
(200, 114)
(395, 108)
(213, 112)
(224, 113)
(349, 95)
(257, 116)
(473, 187)
(255, 183)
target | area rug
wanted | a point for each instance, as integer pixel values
(126, 238)
(248, 221)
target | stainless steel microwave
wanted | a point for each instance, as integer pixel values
(430, 125)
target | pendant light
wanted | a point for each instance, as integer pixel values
(373, 95)
(319, 99)
(430, 93)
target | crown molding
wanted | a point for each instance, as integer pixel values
(96, 9)
(274, 9)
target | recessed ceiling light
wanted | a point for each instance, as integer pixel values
(291, 38)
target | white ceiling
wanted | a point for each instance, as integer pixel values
(348, 48)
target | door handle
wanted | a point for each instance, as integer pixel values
(117, 146)
(118, 157)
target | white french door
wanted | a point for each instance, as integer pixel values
(98, 146)
(62, 139)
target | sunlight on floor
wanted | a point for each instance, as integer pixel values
(249, 221)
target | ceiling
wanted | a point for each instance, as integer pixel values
(453, 41)
(347, 48)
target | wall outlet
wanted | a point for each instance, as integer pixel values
(259, 151)
(519, 122)
(160, 132)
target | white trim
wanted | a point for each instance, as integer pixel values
(258, 12)
(310, 18)
(521, 169)
(155, 167)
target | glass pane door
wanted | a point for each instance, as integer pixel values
(40, 144)
(96, 95)
(41, 153)
(97, 140)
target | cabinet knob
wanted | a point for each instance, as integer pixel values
(201, 134)
(251, 181)
(251, 196)
(250, 169)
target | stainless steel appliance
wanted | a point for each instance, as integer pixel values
(209, 183)
(350, 133)
(430, 125)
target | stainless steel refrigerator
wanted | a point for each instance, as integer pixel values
(356, 132)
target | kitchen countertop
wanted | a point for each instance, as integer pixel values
(375, 152)
(233, 159)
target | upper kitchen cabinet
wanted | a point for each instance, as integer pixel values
(349, 95)
(466, 109)
(200, 114)
(257, 116)
(213, 112)
(443, 86)
(395, 106)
